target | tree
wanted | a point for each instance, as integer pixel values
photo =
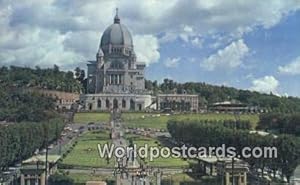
(19, 141)
(213, 93)
(59, 179)
(216, 134)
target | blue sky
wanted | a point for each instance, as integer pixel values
(269, 49)
(245, 44)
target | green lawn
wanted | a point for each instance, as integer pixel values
(82, 178)
(85, 153)
(183, 178)
(86, 117)
(176, 179)
(144, 120)
(157, 162)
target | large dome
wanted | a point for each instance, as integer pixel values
(116, 34)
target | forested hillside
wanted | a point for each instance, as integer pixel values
(28, 121)
(48, 78)
(19, 105)
(211, 93)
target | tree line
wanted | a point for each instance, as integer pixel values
(48, 78)
(209, 94)
(26, 118)
(216, 135)
(280, 123)
(17, 106)
(19, 141)
(228, 123)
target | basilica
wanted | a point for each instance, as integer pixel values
(116, 69)
(116, 78)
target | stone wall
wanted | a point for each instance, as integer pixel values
(63, 99)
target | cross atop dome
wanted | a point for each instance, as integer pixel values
(117, 19)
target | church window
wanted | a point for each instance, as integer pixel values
(116, 79)
(123, 103)
(99, 103)
(132, 105)
(90, 106)
(115, 104)
(116, 65)
(107, 103)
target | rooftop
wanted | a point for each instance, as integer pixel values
(42, 158)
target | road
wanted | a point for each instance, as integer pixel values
(55, 148)
(128, 171)
(59, 146)
(122, 172)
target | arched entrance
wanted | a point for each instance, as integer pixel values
(132, 104)
(115, 104)
(123, 104)
(107, 103)
(99, 103)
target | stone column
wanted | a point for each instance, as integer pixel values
(118, 179)
(22, 179)
(239, 179)
(42, 177)
(227, 181)
(118, 78)
(158, 178)
(109, 79)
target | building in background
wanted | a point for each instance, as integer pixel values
(177, 102)
(116, 69)
(233, 172)
(64, 100)
(116, 78)
(235, 107)
(33, 169)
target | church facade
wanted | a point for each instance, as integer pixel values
(116, 69)
(116, 79)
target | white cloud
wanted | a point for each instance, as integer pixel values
(292, 68)
(146, 48)
(84, 43)
(33, 30)
(265, 84)
(172, 62)
(185, 33)
(229, 17)
(37, 47)
(197, 42)
(229, 57)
